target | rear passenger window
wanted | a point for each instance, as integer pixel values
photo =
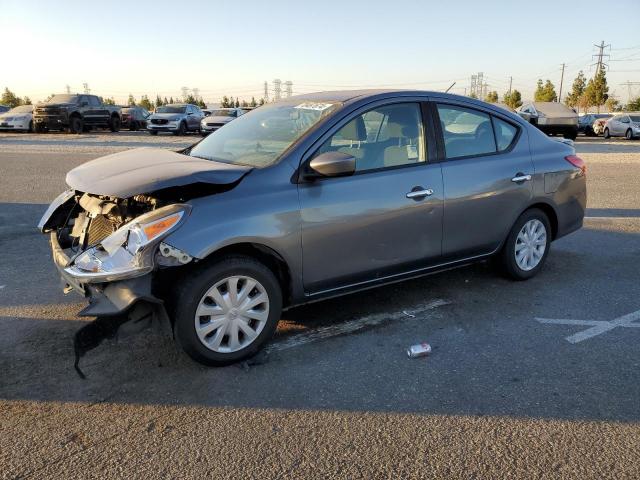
(505, 133)
(466, 132)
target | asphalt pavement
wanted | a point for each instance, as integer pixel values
(536, 379)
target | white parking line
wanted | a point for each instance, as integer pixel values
(351, 326)
(598, 327)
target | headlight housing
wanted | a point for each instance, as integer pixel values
(129, 251)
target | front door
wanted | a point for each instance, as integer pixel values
(487, 176)
(387, 217)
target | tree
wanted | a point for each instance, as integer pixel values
(109, 101)
(26, 101)
(237, 102)
(225, 102)
(492, 97)
(165, 101)
(513, 99)
(577, 90)
(244, 103)
(158, 101)
(611, 104)
(10, 99)
(634, 105)
(190, 99)
(473, 95)
(171, 100)
(546, 92)
(253, 102)
(131, 101)
(262, 101)
(146, 103)
(597, 91)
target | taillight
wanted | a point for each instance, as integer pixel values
(577, 162)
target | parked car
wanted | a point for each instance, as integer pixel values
(585, 122)
(306, 198)
(75, 112)
(219, 118)
(4, 108)
(598, 126)
(552, 118)
(18, 118)
(134, 118)
(177, 118)
(625, 125)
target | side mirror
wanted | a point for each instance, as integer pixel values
(332, 164)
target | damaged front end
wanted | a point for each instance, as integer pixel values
(105, 247)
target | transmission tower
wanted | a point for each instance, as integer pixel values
(86, 88)
(288, 88)
(600, 56)
(266, 91)
(185, 92)
(474, 83)
(277, 89)
(196, 92)
(629, 85)
(67, 88)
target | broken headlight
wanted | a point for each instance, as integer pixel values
(129, 251)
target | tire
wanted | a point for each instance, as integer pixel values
(196, 292)
(153, 132)
(508, 256)
(30, 130)
(114, 123)
(606, 133)
(629, 135)
(133, 126)
(40, 128)
(76, 125)
(181, 129)
(571, 135)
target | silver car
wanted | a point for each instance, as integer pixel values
(178, 118)
(311, 197)
(219, 118)
(624, 125)
(18, 119)
(552, 118)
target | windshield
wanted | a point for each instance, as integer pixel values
(223, 113)
(635, 118)
(260, 137)
(64, 98)
(22, 109)
(170, 109)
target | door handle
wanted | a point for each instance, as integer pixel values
(520, 177)
(420, 193)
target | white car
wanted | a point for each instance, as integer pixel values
(219, 118)
(18, 118)
(626, 125)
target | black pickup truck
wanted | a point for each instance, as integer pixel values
(75, 113)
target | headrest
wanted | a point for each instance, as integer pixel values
(393, 130)
(354, 130)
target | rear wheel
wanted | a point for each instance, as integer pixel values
(227, 311)
(527, 245)
(606, 133)
(153, 132)
(76, 125)
(30, 130)
(134, 126)
(629, 135)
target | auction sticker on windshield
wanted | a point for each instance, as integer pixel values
(314, 106)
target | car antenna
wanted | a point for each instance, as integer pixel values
(450, 87)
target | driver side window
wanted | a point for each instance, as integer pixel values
(388, 136)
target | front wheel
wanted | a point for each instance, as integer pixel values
(153, 132)
(182, 128)
(76, 125)
(606, 133)
(527, 245)
(114, 123)
(227, 311)
(629, 135)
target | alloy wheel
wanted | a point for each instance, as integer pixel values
(531, 244)
(231, 314)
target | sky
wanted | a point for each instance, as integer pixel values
(232, 47)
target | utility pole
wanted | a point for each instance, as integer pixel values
(561, 80)
(510, 83)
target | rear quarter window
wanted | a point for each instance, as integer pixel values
(505, 134)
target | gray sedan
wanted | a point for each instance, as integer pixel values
(311, 197)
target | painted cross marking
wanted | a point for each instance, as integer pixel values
(597, 327)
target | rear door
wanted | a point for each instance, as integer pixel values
(487, 172)
(387, 217)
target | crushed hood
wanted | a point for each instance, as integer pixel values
(145, 170)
